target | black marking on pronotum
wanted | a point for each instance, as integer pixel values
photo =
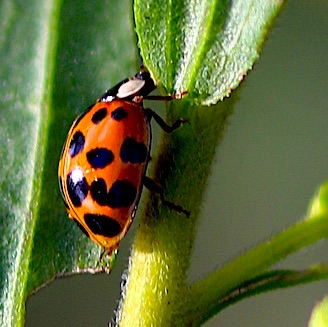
(77, 187)
(99, 115)
(100, 157)
(102, 225)
(77, 144)
(133, 151)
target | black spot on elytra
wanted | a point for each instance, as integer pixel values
(77, 144)
(102, 225)
(77, 187)
(98, 191)
(100, 157)
(82, 228)
(133, 151)
(99, 115)
(119, 114)
(122, 194)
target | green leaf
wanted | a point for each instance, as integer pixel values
(319, 317)
(319, 203)
(56, 59)
(205, 47)
(273, 280)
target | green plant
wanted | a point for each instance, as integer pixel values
(39, 240)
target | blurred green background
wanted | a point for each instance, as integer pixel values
(273, 157)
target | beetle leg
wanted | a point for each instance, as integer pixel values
(155, 188)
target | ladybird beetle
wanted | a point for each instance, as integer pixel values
(104, 160)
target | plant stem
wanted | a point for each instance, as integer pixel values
(162, 249)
